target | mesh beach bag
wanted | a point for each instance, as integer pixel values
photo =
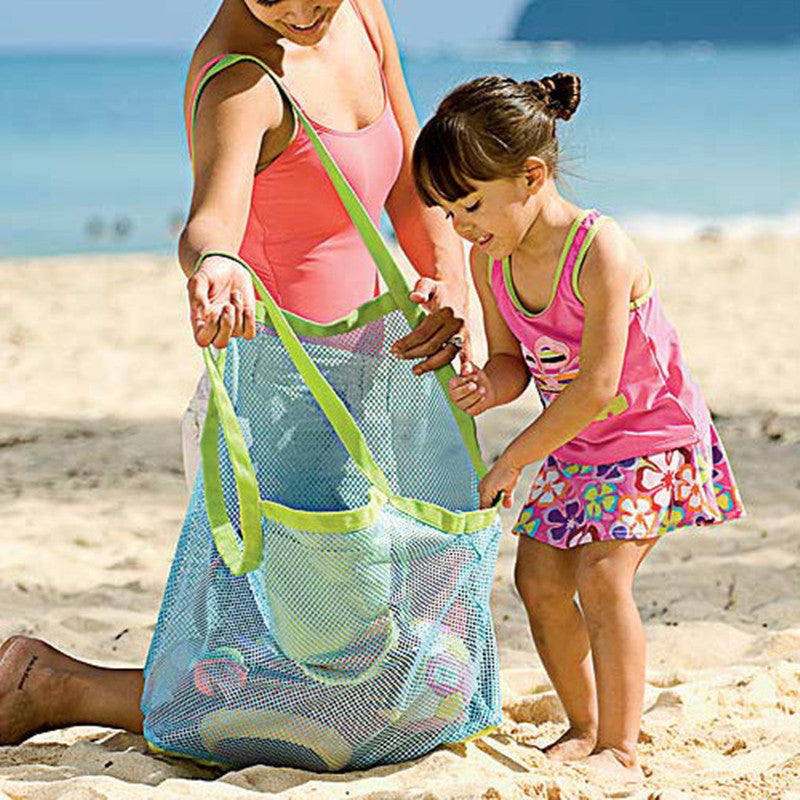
(328, 604)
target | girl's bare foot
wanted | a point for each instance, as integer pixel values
(614, 765)
(34, 687)
(573, 745)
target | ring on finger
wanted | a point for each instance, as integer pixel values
(457, 341)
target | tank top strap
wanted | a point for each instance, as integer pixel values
(581, 237)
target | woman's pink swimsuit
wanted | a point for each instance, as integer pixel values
(299, 238)
(651, 461)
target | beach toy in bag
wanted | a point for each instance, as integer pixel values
(328, 603)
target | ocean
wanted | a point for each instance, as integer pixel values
(667, 138)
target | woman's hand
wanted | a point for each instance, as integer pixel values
(472, 390)
(222, 302)
(502, 477)
(446, 305)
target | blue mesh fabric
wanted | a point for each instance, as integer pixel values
(341, 650)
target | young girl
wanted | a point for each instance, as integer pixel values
(628, 446)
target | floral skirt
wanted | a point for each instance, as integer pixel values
(639, 498)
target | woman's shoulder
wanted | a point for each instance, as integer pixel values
(245, 82)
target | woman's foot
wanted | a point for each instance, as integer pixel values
(42, 688)
(34, 688)
(614, 765)
(573, 745)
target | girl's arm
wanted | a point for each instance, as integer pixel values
(431, 245)
(235, 110)
(606, 282)
(505, 375)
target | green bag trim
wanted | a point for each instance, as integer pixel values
(346, 521)
(368, 312)
(455, 522)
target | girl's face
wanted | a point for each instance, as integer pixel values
(303, 22)
(497, 215)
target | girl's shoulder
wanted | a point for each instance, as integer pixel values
(612, 258)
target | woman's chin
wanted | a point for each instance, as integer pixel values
(310, 36)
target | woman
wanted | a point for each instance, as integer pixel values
(260, 190)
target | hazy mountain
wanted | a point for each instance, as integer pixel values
(623, 21)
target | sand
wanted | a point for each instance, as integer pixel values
(98, 365)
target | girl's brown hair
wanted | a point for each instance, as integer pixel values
(485, 129)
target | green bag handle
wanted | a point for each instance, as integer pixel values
(381, 255)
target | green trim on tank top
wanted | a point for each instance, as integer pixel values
(509, 281)
(576, 270)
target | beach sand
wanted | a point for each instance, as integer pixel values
(98, 365)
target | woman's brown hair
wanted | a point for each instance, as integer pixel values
(485, 129)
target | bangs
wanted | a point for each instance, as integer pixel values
(447, 159)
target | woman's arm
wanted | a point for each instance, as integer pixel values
(606, 282)
(424, 234)
(432, 247)
(235, 110)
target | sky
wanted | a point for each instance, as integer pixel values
(175, 24)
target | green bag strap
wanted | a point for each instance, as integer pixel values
(221, 411)
(381, 255)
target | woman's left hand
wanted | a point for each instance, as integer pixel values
(443, 334)
(502, 477)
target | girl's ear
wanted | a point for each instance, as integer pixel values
(535, 174)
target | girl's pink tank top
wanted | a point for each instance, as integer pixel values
(657, 407)
(299, 239)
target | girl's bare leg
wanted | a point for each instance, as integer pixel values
(42, 688)
(546, 580)
(605, 576)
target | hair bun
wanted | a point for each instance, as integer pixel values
(560, 93)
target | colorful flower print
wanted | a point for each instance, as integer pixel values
(585, 534)
(600, 498)
(658, 475)
(551, 488)
(638, 513)
(688, 489)
(672, 518)
(615, 471)
(571, 505)
(527, 523)
(564, 522)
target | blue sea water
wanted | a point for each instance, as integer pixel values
(93, 152)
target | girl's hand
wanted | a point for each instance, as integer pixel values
(471, 390)
(502, 477)
(222, 302)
